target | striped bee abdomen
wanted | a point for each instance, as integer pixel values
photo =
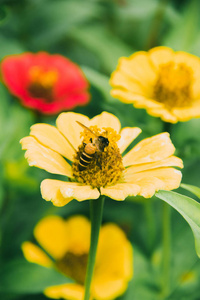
(84, 161)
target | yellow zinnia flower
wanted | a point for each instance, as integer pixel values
(142, 171)
(164, 82)
(68, 242)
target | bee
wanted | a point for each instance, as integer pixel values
(97, 144)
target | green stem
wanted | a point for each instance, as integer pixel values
(167, 127)
(156, 24)
(150, 218)
(96, 211)
(166, 262)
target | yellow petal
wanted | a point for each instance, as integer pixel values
(50, 190)
(114, 246)
(138, 100)
(67, 125)
(50, 137)
(192, 62)
(44, 158)
(148, 185)
(34, 254)
(128, 134)
(60, 192)
(78, 229)
(167, 162)
(161, 55)
(69, 291)
(78, 191)
(125, 95)
(135, 74)
(185, 114)
(108, 290)
(138, 66)
(111, 278)
(106, 119)
(162, 112)
(150, 150)
(50, 233)
(120, 191)
(187, 58)
(122, 81)
(157, 179)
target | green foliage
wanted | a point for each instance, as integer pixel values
(100, 81)
(188, 208)
(14, 278)
(191, 188)
(104, 44)
(185, 32)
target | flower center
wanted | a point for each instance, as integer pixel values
(42, 83)
(73, 266)
(95, 164)
(173, 85)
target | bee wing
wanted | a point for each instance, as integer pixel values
(86, 128)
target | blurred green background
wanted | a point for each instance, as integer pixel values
(94, 34)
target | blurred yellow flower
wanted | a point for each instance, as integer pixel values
(68, 242)
(164, 82)
(146, 168)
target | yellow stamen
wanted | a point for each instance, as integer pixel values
(173, 85)
(42, 83)
(105, 168)
(45, 78)
(73, 266)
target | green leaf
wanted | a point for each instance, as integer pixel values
(100, 81)
(3, 13)
(143, 284)
(10, 46)
(20, 276)
(105, 45)
(191, 188)
(17, 122)
(1, 190)
(188, 208)
(57, 18)
(185, 31)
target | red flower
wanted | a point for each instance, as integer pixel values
(44, 82)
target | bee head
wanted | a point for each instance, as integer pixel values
(104, 142)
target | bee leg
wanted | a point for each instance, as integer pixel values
(98, 162)
(91, 140)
